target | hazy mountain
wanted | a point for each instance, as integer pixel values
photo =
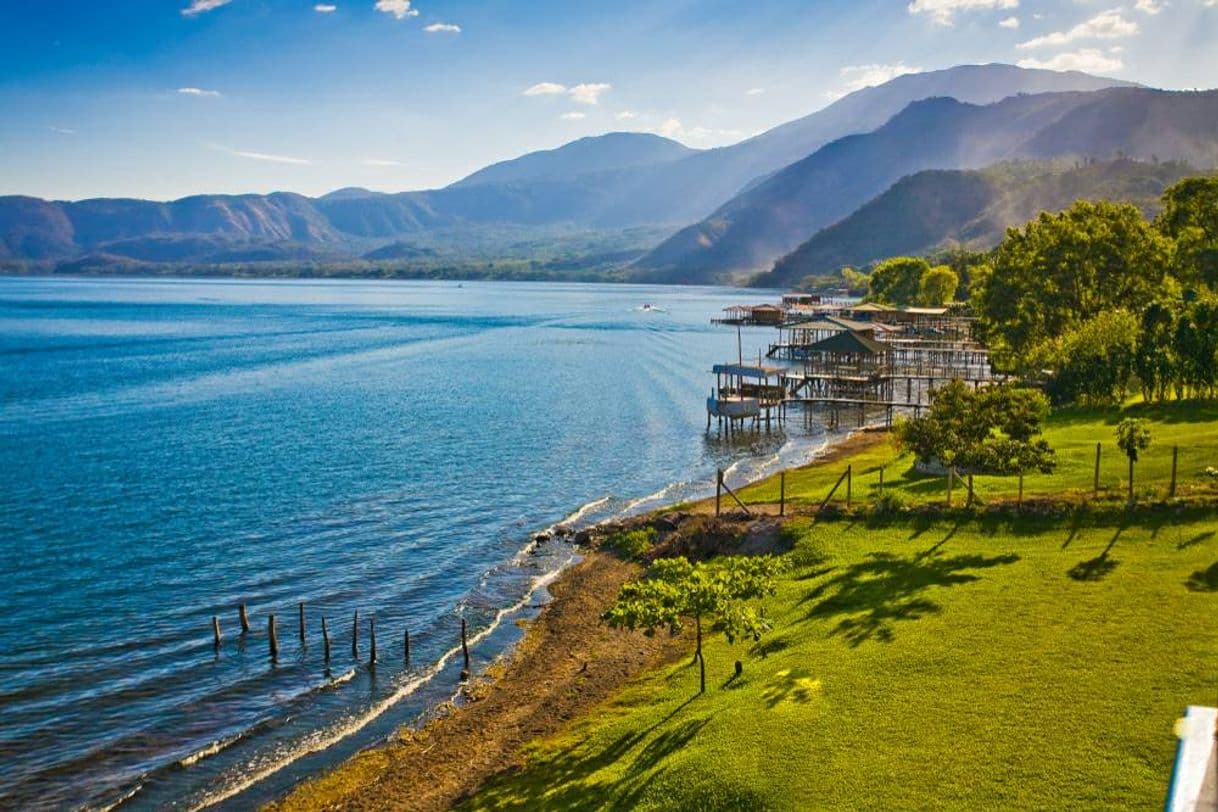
(970, 208)
(600, 153)
(771, 218)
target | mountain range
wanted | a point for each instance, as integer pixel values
(750, 203)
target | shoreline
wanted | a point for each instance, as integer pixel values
(566, 663)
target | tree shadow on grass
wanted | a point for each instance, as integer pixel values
(1195, 540)
(872, 595)
(1100, 567)
(1205, 580)
(796, 685)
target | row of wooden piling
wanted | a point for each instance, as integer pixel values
(272, 634)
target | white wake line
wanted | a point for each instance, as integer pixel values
(378, 709)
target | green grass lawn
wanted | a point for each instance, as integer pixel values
(978, 663)
(1073, 433)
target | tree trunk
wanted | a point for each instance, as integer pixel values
(701, 659)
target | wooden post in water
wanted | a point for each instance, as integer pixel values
(245, 619)
(782, 493)
(718, 488)
(406, 645)
(215, 630)
(325, 638)
(372, 639)
(302, 622)
(1096, 485)
(355, 635)
(1175, 454)
(272, 638)
(464, 653)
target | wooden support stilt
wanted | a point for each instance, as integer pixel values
(325, 638)
(302, 621)
(272, 638)
(372, 641)
(464, 653)
(245, 619)
(406, 645)
(215, 630)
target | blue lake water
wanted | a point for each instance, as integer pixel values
(170, 449)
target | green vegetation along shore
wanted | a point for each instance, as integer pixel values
(996, 656)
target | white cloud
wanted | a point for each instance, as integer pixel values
(1089, 60)
(398, 8)
(1009, 22)
(754, 91)
(381, 162)
(944, 11)
(1150, 7)
(262, 156)
(545, 89)
(857, 77)
(589, 93)
(61, 130)
(201, 6)
(573, 116)
(443, 28)
(1105, 25)
(198, 91)
(325, 8)
(674, 128)
(626, 115)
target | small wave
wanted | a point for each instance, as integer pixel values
(325, 740)
(341, 678)
(210, 750)
(126, 796)
(584, 511)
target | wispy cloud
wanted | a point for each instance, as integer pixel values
(586, 93)
(1009, 22)
(1150, 7)
(589, 93)
(443, 28)
(574, 115)
(61, 130)
(857, 77)
(398, 8)
(1088, 60)
(545, 89)
(944, 12)
(381, 162)
(673, 127)
(198, 91)
(1105, 25)
(325, 8)
(626, 115)
(267, 157)
(754, 91)
(203, 6)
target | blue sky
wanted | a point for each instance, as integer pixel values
(165, 98)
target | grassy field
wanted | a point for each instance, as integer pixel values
(977, 663)
(1073, 433)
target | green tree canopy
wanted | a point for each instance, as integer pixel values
(938, 286)
(1062, 269)
(1093, 362)
(992, 429)
(896, 281)
(1190, 217)
(718, 591)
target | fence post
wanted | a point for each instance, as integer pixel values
(1096, 488)
(849, 482)
(1019, 499)
(969, 501)
(782, 493)
(1175, 453)
(464, 653)
(881, 483)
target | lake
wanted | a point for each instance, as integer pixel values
(170, 449)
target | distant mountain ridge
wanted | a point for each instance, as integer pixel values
(608, 183)
(768, 220)
(970, 208)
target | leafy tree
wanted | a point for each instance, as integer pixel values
(896, 281)
(992, 429)
(1062, 269)
(1155, 361)
(1196, 346)
(1093, 362)
(938, 286)
(1133, 436)
(676, 591)
(1190, 217)
(855, 280)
